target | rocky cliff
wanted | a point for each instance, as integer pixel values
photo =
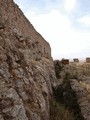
(26, 67)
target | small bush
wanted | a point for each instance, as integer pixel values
(69, 76)
(59, 112)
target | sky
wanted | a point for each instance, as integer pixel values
(65, 24)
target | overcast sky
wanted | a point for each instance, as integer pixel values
(65, 24)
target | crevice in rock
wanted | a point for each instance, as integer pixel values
(66, 96)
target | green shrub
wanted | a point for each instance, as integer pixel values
(69, 76)
(59, 112)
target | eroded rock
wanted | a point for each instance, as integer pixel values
(26, 68)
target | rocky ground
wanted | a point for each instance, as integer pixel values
(75, 78)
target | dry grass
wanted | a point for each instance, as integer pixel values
(85, 85)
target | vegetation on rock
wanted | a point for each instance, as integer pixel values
(59, 112)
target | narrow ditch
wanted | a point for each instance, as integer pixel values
(66, 96)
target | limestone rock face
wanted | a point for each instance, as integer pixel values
(82, 89)
(26, 67)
